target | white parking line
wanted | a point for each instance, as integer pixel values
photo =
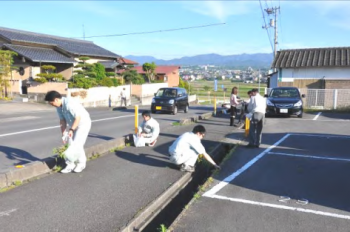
(51, 127)
(282, 207)
(315, 118)
(324, 135)
(309, 156)
(231, 177)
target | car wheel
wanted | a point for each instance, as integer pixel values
(186, 109)
(300, 115)
(175, 110)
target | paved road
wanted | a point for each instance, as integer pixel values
(301, 161)
(106, 195)
(31, 131)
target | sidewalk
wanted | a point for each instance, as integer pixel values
(107, 195)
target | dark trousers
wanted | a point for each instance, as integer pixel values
(256, 126)
(233, 114)
(123, 100)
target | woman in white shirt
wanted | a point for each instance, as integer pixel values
(234, 103)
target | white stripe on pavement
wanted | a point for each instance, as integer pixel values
(51, 127)
(282, 207)
(309, 156)
(231, 177)
(315, 118)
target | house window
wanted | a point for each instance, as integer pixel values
(165, 78)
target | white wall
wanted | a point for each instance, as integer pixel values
(317, 73)
(150, 89)
(102, 93)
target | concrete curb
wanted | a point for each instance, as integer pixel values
(37, 168)
(141, 220)
(152, 210)
(194, 119)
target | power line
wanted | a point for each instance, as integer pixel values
(265, 26)
(150, 32)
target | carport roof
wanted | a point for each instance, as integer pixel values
(36, 54)
(312, 57)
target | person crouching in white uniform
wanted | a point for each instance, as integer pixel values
(73, 114)
(149, 129)
(185, 150)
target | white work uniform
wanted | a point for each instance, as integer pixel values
(185, 149)
(151, 129)
(69, 110)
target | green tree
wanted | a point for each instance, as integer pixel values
(131, 76)
(184, 84)
(149, 69)
(48, 74)
(99, 70)
(106, 81)
(206, 88)
(6, 61)
(90, 75)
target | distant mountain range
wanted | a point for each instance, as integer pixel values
(257, 60)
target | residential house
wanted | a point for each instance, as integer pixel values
(35, 50)
(169, 74)
(312, 68)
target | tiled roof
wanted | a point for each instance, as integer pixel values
(126, 61)
(312, 57)
(37, 54)
(109, 64)
(73, 46)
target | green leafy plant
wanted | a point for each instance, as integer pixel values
(162, 228)
(60, 151)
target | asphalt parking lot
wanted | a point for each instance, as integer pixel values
(297, 181)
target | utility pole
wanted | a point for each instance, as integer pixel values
(273, 23)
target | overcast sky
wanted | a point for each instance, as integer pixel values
(301, 24)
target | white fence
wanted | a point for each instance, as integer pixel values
(325, 98)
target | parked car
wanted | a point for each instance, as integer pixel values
(248, 81)
(170, 100)
(284, 101)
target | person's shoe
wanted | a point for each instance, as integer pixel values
(153, 143)
(250, 146)
(79, 168)
(69, 168)
(186, 168)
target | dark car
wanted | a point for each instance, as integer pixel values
(170, 100)
(284, 101)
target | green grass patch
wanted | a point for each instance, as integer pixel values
(176, 124)
(17, 183)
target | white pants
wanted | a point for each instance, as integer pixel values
(188, 158)
(79, 139)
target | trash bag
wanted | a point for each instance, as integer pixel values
(139, 141)
(73, 151)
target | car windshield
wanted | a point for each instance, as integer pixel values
(166, 93)
(284, 93)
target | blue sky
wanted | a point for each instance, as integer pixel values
(302, 24)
